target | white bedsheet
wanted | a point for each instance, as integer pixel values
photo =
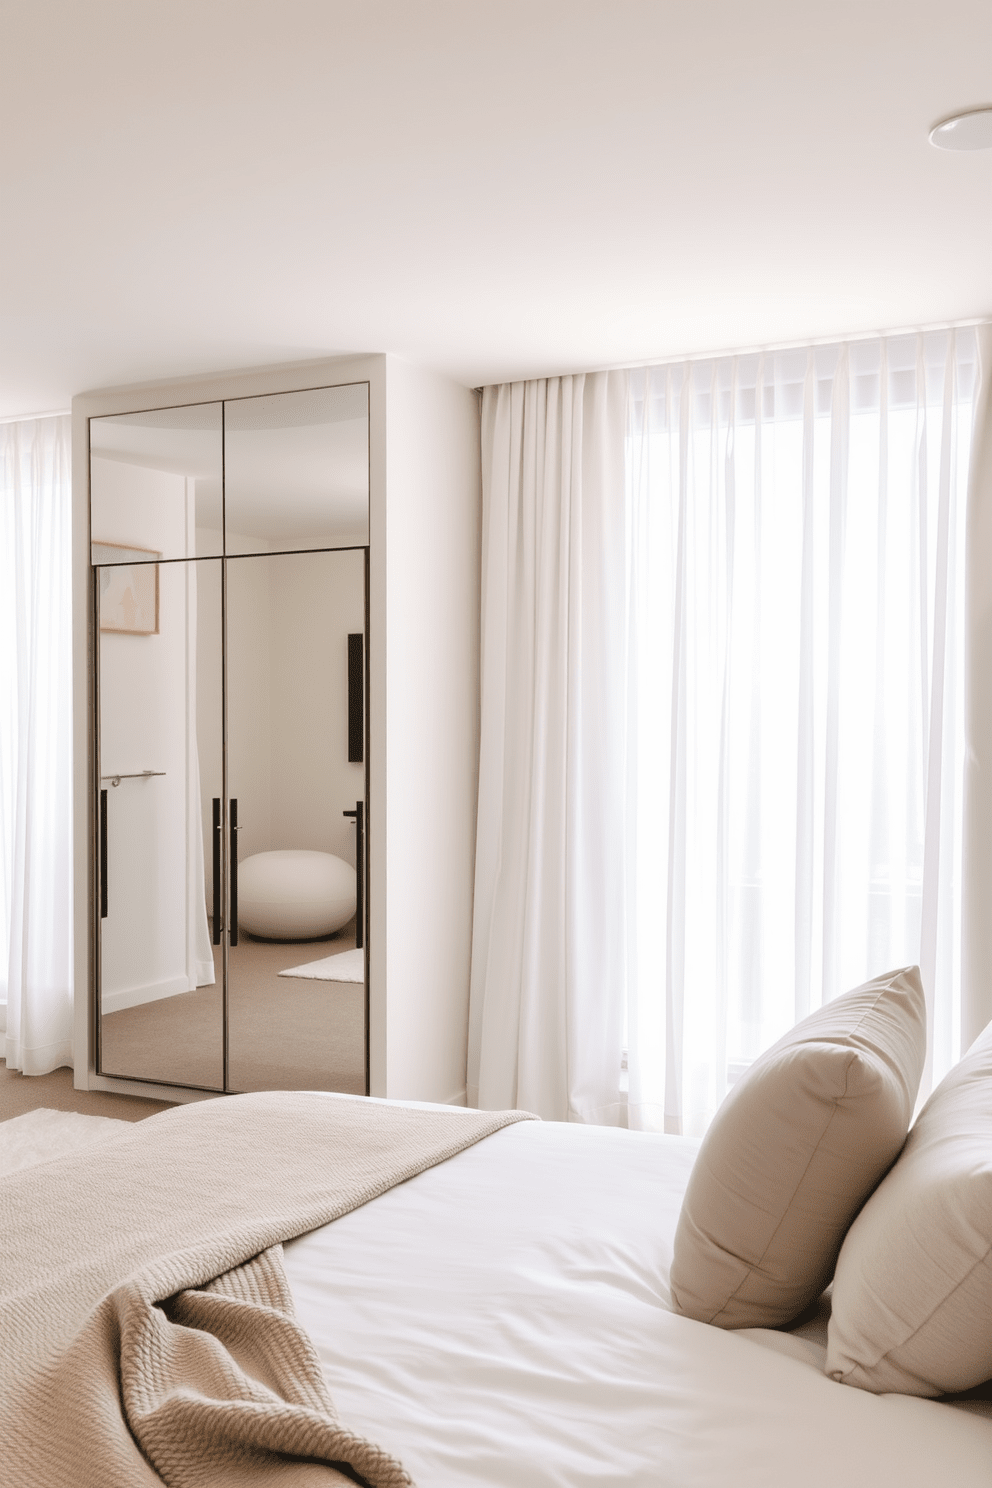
(503, 1319)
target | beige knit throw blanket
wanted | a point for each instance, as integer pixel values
(147, 1333)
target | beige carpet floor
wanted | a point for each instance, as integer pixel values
(285, 1033)
(20, 1093)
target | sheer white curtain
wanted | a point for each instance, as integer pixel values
(745, 745)
(546, 1011)
(976, 952)
(36, 744)
(796, 587)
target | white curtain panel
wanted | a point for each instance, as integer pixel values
(546, 1011)
(976, 951)
(36, 744)
(723, 718)
(796, 611)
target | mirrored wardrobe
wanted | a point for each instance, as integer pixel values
(231, 583)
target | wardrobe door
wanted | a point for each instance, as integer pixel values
(156, 482)
(159, 689)
(296, 471)
(296, 979)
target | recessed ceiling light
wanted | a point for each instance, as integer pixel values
(968, 131)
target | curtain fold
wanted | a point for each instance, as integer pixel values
(546, 1009)
(36, 744)
(726, 643)
(976, 973)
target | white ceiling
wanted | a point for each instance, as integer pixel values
(495, 188)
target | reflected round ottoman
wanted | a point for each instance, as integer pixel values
(294, 894)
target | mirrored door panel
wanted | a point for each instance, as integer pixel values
(160, 989)
(297, 470)
(296, 773)
(156, 484)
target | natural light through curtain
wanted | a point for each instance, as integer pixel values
(36, 744)
(795, 684)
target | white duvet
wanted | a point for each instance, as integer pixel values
(503, 1319)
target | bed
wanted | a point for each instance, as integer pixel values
(504, 1318)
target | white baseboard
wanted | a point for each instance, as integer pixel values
(115, 1085)
(128, 997)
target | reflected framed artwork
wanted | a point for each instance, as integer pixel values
(128, 591)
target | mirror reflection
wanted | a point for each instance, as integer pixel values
(156, 483)
(231, 741)
(296, 473)
(160, 992)
(296, 981)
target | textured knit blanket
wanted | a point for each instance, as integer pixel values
(147, 1333)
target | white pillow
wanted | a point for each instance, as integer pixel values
(912, 1298)
(792, 1154)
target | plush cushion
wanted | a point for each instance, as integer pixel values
(912, 1299)
(792, 1154)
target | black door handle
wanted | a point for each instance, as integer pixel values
(234, 872)
(103, 855)
(217, 826)
(356, 698)
(359, 815)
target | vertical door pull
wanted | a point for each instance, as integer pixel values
(359, 816)
(103, 855)
(216, 836)
(356, 698)
(234, 872)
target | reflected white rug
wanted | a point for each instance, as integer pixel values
(346, 966)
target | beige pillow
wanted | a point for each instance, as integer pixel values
(912, 1300)
(792, 1154)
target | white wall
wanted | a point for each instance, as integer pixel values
(432, 586)
(209, 711)
(249, 700)
(317, 600)
(135, 506)
(289, 616)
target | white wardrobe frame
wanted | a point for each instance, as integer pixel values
(424, 601)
